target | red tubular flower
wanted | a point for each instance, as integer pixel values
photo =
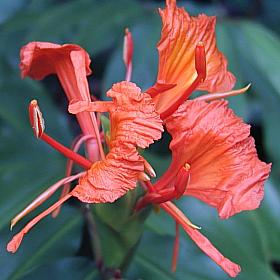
(181, 58)
(71, 64)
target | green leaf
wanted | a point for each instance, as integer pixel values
(257, 51)
(94, 25)
(50, 240)
(67, 268)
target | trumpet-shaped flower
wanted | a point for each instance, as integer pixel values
(71, 64)
(188, 59)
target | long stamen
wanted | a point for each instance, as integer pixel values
(219, 95)
(128, 53)
(201, 241)
(200, 66)
(43, 197)
(83, 162)
(37, 121)
(13, 245)
(175, 248)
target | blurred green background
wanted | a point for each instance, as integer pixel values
(248, 33)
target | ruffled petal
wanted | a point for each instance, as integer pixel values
(225, 170)
(180, 35)
(134, 123)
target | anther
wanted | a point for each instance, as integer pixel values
(36, 119)
(182, 180)
(144, 177)
(149, 169)
(200, 61)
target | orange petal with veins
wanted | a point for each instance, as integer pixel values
(225, 170)
(180, 35)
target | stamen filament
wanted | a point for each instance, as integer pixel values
(17, 239)
(42, 198)
(219, 95)
(37, 124)
(83, 162)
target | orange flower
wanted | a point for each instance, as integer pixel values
(225, 171)
(134, 124)
(188, 59)
(213, 156)
(213, 159)
(71, 64)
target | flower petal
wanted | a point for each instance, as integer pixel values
(134, 123)
(225, 170)
(180, 35)
(70, 63)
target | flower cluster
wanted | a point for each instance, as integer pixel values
(213, 156)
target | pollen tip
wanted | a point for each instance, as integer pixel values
(144, 177)
(194, 226)
(149, 169)
(13, 245)
(34, 102)
(200, 44)
(36, 118)
(187, 166)
(248, 86)
(12, 224)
